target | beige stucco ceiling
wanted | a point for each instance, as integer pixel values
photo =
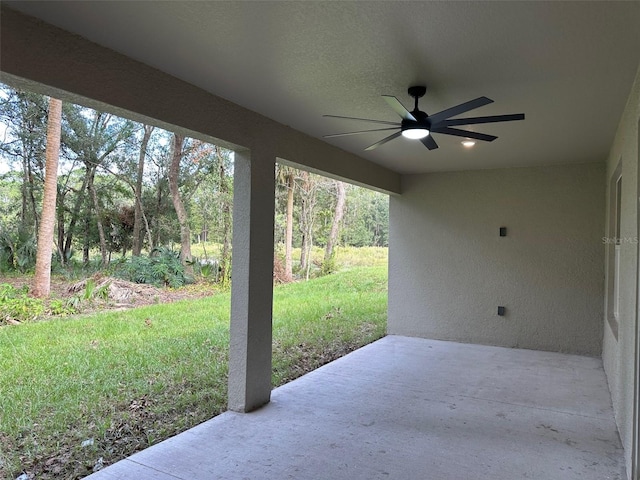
(568, 66)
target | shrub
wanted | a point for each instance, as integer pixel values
(17, 251)
(16, 306)
(208, 269)
(61, 307)
(161, 268)
(329, 265)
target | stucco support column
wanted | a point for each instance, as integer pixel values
(251, 281)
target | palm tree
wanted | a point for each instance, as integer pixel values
(42, 278)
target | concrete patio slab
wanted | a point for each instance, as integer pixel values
(409, 408)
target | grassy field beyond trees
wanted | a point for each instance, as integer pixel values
(89, 390)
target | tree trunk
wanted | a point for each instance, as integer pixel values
(60, 234)
(308, 200)
(304, 214)
(155, 221)
(85, 241)
(24, 189)
(32, 198)
(42, 278)
(181, 212)
(288, 242)
(225, 257)
(75, 214)
(137, 220)
(148, 230)
(98, 210)
(341, 194)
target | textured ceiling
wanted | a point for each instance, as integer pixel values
(568, 66)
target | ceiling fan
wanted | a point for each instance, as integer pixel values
(419, 126)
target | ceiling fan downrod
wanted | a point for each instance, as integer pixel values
(417, 92)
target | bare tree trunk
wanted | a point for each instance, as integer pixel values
(42, 278)
(85, 240)
(341, 194)
(24, 190)
(309, 246)
(181, 212)
(288, 243)
(96, 207)
(225, 273)
(156, 223)
(60, 233)
(225, 256)
(148, 230)
(303, 252)
(308, 201)
(75, 214)
(304, 213)
(138, 214)
(32, 197)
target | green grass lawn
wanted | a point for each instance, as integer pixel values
(346, 257)
(121, 381)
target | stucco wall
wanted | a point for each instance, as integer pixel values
(449, 269)
(619, 353)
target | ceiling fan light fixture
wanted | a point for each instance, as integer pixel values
(415, 133)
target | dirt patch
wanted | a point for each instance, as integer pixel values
(119, 292)
(100, 292)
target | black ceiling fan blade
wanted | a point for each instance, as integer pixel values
(383, 141)
(363, 120)
(358, 133)
(429, 142)
(399, 108)
(475, 120)
(462, 133)
(459, 109)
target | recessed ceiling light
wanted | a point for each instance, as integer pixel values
(468, 143)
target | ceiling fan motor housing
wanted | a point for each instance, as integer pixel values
(421, 122)
(417, 91)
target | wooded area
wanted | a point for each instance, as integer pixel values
(124, 190)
